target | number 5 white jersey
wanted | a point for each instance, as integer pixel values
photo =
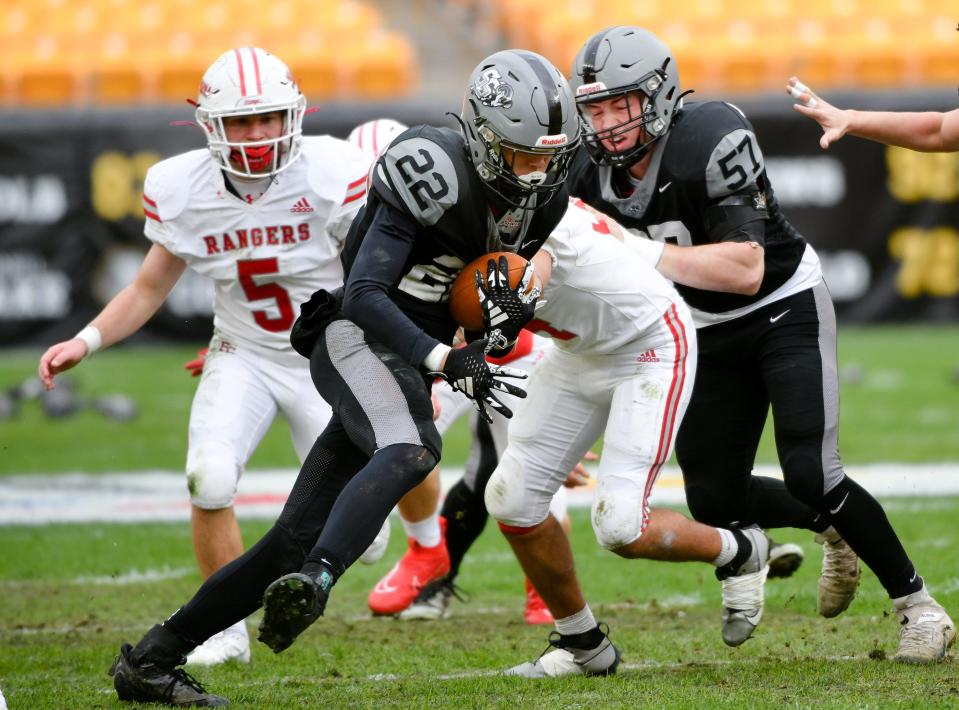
(266, 256)
(601, 297)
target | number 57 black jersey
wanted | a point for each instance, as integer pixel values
(707, 166)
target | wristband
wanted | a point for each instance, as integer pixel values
(92, 338)
(434, 361)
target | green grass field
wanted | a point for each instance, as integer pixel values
(899, 397)
(70, 594)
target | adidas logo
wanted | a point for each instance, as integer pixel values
(648, 356)
(301, 206)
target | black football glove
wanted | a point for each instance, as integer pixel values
(467, 371)
(506, 310)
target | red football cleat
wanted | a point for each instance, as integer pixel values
(536, 611)
(417, 568)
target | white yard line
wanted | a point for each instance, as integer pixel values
(161, 495)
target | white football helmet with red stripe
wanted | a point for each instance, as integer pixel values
(249, 80)
(374, 137)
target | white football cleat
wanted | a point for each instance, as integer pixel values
(374, 553)
(433, 601)
(231, 644)
(563, 661)
(743, 589)
(840, 574)
(927, 632)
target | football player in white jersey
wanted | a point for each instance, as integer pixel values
(622, 367)
(264, 220)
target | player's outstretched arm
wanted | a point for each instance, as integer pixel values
(121, 317)
(728, 267)
(927, 131)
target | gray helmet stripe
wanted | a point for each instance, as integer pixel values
(550, 91)
(589, 56)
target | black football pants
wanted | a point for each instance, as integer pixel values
(784, 356)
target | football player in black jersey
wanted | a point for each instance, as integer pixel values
(439, 198)
(690, 176)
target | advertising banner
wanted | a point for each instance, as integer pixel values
(883, 220)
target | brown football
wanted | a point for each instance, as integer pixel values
(464, 301)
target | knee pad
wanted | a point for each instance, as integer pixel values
(411, 463)
(212, 474)
(618, 516)
(510, 500)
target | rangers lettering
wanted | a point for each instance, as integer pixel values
(285, 234)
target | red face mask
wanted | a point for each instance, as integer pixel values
(259, 158)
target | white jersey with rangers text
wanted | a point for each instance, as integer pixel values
(601, 297)
(266, 255)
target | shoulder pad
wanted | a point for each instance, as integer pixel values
(336, 168)
(419, 175)
(168, 184)
(719, 146)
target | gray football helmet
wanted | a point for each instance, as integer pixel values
(516, 100)
(617, 61)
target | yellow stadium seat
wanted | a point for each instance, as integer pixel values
(45, 73)
(384, 66)
(316, 72)
(178, 79)
(116, 76)
(53, 82)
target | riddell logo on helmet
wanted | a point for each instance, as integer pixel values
(544, 141)
(590, 88)
(206, 89)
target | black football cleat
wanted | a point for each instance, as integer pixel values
(290, 604)
(145, 681)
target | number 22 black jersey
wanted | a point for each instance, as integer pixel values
(708, 158)
(427, 176)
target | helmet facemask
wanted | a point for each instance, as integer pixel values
(649, 90)
(255, 159)
(498, 168)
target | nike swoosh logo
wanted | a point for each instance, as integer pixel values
(384, 586)
(663, 188)
(528, 241)
(773, 320)
(841, 504)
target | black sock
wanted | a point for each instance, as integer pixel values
(863, 524)
(322, 573)
(163, 647)
(584, 641)
(466, 516)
